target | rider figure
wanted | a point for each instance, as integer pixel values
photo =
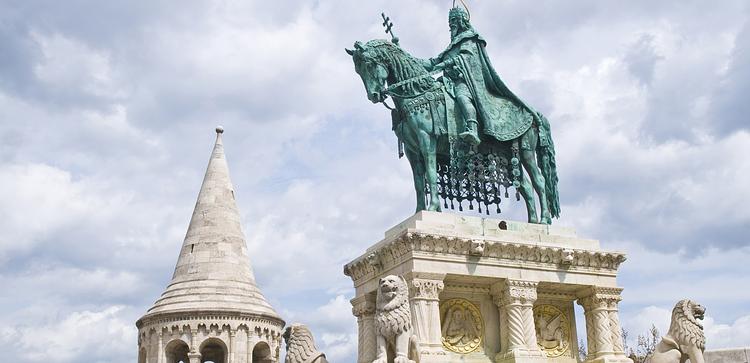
(482, 97)
(463, 47)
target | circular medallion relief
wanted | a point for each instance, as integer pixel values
(552, 330)
(462, 326)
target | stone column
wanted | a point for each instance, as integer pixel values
(232, 335)
(515, 301)
(193, 340)
(363, 307)
(194, 357)
(603, 331)
(249, 347)
(274, 345)
(614, 322)
(160, 353)
(424, 295)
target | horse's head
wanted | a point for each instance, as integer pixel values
(370, 66)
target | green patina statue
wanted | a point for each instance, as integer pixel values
(466, 135)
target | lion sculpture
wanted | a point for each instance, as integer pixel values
(300, 346)
(685, 338)
(393, 323)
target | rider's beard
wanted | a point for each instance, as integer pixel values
(456, 30)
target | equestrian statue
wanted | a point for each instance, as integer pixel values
(467, 137)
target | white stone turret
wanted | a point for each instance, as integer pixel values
(212, 310)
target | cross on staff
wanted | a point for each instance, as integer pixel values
(388, 24)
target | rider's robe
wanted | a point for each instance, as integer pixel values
(502, 114)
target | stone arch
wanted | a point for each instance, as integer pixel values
(176, 351)
(213, 350)
(262, 353)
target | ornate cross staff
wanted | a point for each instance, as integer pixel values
(388, 24)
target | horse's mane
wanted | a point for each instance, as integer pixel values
(403, 65)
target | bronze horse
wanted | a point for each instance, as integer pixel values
(425, 120)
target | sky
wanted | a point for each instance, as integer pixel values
(107, 117)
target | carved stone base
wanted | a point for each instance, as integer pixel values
(521, 356)
(610, 359)
(485, 290)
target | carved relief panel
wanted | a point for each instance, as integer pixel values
(462, 326)
(552, 330)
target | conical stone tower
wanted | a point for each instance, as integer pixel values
(212, 311)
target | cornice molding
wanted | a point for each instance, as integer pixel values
(421, 245)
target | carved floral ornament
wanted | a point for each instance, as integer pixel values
(426, 289)
(552, 330)
(462, 326)
(408, 244)
(602, 298)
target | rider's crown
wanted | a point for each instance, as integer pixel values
(458, 13)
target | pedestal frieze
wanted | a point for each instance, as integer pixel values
(552, 330)
(462, 326)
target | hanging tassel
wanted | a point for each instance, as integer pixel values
(518, 196)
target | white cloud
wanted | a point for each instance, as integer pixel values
(99, 336)
(68, 64)
(734, 335)
(37, 201)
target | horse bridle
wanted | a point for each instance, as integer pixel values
(389, 91)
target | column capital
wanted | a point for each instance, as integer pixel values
(598, 297)
(427, 289)
(363, 305)
(511, 291)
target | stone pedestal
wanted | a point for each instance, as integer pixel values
(488, 290)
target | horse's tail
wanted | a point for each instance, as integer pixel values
(545, 154)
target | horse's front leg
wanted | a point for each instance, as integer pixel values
(417, 170)
(428, 149)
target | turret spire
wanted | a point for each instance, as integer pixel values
(213, 271)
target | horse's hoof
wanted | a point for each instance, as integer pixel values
(546, 218)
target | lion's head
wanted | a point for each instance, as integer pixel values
(300, 346)
(686, 328)
(393, 315)
(392, 293)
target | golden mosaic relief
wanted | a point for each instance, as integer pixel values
(552, 330)
(462, 325)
